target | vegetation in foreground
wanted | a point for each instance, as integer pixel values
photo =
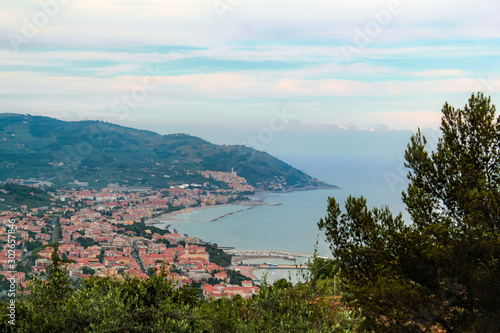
(442, 272)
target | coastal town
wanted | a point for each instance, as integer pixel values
(111, 232)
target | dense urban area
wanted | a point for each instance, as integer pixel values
(111, 232)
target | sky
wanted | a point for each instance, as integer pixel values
(311, 78)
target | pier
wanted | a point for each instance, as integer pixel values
(268, 253)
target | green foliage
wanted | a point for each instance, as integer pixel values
(88, 270)
(139, 229)
(443, 269)
(217, 255)
(4, 283)
(116, 154)
(25, 267)
(281, 308)
(151, 271)
(47, 299)
(322, 269)
(157, 305)
(86, 242)
(101, 256)
(236, 277)
(30, 246)
(282, 284)
(166, 242)
(31, 259)
(16, 195)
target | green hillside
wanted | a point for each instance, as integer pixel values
(12, 195)
(100, 152)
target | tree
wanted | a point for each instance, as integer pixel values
(30, 246)
(157, 304)
(88, 270)
(443, 269)
(86, 242)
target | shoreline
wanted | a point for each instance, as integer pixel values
(248, 203)
(171, 216)
(247, 271)
(254, 254)
(301, 189)
(258, 199)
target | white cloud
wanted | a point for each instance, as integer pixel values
(195, 22)
(408, 119)
(84, 32)
(440, 72)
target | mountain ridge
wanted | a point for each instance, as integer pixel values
(102, 152)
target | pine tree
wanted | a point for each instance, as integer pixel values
(443, 269)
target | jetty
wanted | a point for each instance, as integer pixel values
(268, 253)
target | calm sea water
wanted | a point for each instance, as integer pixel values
(287, 222)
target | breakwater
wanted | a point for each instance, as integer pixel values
(268, 253)
(231, 213)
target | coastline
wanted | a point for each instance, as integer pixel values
(171, 216)
(242, 252)
(253, 252)
(250, 203)
(241, 255)
(247, 271)
(301, 189)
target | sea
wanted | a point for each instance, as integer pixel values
(289, 221)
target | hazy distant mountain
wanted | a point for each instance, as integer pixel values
(99, 152)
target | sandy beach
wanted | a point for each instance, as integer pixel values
(172, 216)
(247, 271)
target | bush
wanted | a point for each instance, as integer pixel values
(157, 305)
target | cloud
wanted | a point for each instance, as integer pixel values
(263, 53)
(409, 119)
(440, 73)
(195, 22)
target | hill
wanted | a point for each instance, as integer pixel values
(101, 152)
(12, 195)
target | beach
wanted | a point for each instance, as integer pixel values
(172, 216)
(271, 222)
(247, 271)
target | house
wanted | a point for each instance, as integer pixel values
(222, 276)
(245, 292)
(210, 291)
(247, 284)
